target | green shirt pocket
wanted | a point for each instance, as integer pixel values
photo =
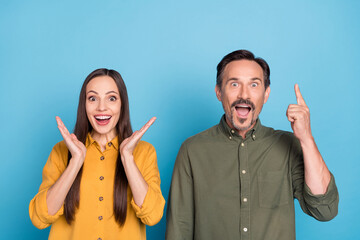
(273, 189)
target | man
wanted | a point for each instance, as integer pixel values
(238, 179)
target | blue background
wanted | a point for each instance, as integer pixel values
(167, 52)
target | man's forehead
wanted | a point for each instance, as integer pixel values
(243, 69)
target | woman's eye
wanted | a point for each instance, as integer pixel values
(112, 99)
(92, 99)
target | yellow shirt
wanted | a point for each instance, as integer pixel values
(94, 219)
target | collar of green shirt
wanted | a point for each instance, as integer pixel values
(257, 132)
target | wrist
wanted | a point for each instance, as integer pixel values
(127, 158)
(76, 163)
(307, 141)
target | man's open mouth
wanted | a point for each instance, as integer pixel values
(243, 110)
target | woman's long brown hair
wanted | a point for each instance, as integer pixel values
(81, 130)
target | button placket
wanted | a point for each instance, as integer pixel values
(244, 191)
(100, 197)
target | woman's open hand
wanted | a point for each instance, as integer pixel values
(76, 147)
(128, 145)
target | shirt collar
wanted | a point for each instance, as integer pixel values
(114, 142)
(253, 134)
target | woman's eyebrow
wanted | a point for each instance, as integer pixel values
(112, 92)
(92, 92)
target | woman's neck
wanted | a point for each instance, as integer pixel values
(103, 139)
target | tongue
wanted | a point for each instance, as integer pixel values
(243, 111)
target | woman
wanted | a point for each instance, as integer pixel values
(101, 182)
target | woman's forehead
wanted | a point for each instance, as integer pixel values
(102, 85)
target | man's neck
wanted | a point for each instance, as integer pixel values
(242, 133)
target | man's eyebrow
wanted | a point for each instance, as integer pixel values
(231, 79)
(256, 78)
(236, 79)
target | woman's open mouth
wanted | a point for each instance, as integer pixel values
(102, 119)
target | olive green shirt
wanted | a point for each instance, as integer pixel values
(227, 187)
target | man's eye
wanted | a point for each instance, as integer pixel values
(92, 99)
(254, 85)
(112, 99)
(234, 84)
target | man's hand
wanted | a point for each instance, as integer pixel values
(299, 116)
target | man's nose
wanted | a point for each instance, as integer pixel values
(243, 92)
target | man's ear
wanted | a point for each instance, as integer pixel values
(267, 93)
(218, 92)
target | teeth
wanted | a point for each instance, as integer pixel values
(242, 106)
(102, 117)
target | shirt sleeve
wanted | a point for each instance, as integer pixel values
(152, 208)
(53, 169)
(180, 212)
(322, 207)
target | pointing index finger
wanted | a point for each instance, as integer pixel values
(299, 98)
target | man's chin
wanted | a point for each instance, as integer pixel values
(241, 124)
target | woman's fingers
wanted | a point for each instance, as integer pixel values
(138, 134)
(147, 125)
(129, 144)
(71, 140)
(73, 136)
(63, 130)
